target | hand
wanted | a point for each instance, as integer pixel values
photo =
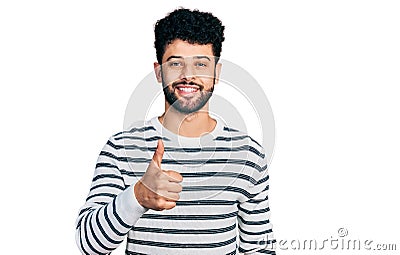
(158, 189)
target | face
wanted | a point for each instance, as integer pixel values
(188, 74)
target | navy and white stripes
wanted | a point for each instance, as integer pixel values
(223, 207)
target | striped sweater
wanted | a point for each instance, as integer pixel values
(223, 207)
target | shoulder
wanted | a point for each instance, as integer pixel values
(138, 130)
(239, 138)
(235, 135)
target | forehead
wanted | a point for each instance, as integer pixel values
(185, 49)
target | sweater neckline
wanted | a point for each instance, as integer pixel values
(185, 140)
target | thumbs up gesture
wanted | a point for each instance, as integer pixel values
(158, 189)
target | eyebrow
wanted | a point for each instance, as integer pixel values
(196, 57)
(200, 57)
(168, 59)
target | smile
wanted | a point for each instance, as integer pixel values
(184, 89)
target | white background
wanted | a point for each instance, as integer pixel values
(330, 70)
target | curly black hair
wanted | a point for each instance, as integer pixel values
(190, 26)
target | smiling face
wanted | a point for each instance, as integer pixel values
(188, 74)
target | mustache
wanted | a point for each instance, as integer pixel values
(191, 83)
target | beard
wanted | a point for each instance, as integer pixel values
(187, 105)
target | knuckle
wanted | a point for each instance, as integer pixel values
(173, 197)
(180, 188)
(161, 187)
(160, 203)
(178, 177)
(166, 173)
(171, 205)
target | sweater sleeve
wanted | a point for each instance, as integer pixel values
(255, 228)
(110, 210)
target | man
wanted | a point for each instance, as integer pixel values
(180, 183)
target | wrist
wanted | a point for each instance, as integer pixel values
(136, 191)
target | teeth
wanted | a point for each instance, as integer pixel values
(187, 89)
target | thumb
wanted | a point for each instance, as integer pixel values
(158, 154)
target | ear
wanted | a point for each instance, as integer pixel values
(217, 72)
(157, 71)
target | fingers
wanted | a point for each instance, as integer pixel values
(170, 175)
(162, 203)
(159, 153)
(173, 176)
(165, 187)
(168, 196)
(159, 200)
(174, 187)
(168, 205)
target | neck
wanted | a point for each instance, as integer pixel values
(190, 125)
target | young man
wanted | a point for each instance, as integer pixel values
(180, 183)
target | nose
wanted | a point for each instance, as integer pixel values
(187, 72)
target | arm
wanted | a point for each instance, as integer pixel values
(110, 210)
(255, 228)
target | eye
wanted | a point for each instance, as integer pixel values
(200, 64)
(175, 64)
